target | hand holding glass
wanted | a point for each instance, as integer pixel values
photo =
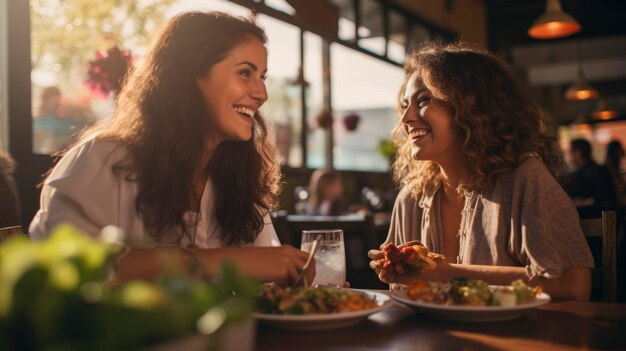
(330, 258)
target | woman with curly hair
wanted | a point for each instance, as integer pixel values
(186, 159)
(478, 167)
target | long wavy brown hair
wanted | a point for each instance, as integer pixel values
(162, 120)
(498, 123)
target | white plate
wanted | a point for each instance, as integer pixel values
(324, 321)
(469, 313)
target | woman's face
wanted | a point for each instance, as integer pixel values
(334, 190)
(234, 89)
(429, 125)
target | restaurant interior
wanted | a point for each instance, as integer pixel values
(334, 69)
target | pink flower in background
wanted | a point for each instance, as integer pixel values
(106, 73)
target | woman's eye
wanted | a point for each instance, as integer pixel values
(246, 73)
(422, 100)
(264, 77)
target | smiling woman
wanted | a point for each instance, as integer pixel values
(477, 163)
(186, 159)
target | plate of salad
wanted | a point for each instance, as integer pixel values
(463, 299)
(317, 308)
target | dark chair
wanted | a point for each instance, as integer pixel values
(601, 235)
(359, 237)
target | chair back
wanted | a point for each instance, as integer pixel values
(359, 237)
(604, 276)
(8, 232)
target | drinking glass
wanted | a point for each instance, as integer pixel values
(330, 257)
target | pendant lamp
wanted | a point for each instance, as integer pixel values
(581, 90)
(603, 112)
(553, 23)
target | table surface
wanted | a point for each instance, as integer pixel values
(555, 326)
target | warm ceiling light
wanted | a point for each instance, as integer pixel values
(603, 112)
(553, 23)
(581, 90)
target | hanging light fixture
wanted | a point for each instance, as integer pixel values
(603, 112)
(581, 90)
(553, 23)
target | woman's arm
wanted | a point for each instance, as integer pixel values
(573, 284)
(280, 264)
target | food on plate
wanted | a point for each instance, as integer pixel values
(275, 299)
(470, 292)
(412, 256)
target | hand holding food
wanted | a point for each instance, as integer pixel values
(410, 257)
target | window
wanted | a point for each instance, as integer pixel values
(396, 46)
(367, 87)
(66, 35)
(284, 108)
(281, 5)
(346, 19)
(316, 137)
(371, 31)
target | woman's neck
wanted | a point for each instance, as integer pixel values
(452, 175)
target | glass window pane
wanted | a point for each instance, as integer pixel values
(281, 5)
(316, 142)
(283, 107)
(66, 35)
(372, 97)
(371, 31)
(397, 37)
(346, 19)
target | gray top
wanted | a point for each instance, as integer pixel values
(526, 220)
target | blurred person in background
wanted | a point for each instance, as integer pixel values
(326, 193)
(590, 184)
(614, 156)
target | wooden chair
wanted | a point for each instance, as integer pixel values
(604, 276)
(8, 232)
(359, 237)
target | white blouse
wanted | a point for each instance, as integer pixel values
(84, 190)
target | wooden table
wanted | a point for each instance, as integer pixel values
(556, 326)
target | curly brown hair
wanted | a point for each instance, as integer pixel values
(161, 118)
(496, 120)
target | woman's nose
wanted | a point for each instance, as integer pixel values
(408, 115)
(259, 91)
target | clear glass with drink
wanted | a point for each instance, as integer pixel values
(330, 257)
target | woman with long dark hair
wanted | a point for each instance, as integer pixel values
(478, 166)
(186, 159)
